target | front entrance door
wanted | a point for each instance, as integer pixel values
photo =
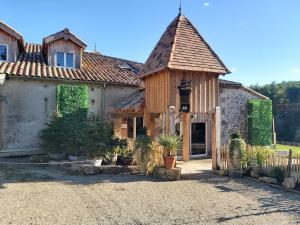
(198, 139)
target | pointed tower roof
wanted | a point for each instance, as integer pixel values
(182, 47)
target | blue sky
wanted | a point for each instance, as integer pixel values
(259, 40)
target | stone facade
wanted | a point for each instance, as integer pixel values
(234, 111)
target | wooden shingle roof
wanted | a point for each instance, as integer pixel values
(95, 68)
(182, 47)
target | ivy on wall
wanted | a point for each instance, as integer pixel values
(260, 122)
(71, 98)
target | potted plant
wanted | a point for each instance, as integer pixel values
(125, 157)
(170, 143)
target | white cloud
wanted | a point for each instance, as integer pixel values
(206, 4)
(296, 70)
(233, 69)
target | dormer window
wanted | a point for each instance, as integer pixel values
(3, 52)
(65, 59)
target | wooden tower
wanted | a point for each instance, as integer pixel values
(181, 54)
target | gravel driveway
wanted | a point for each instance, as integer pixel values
(47, 195)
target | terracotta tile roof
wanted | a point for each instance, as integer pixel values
(95, 68)
(229, 83)
(182, 47)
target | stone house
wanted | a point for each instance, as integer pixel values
(30, 74)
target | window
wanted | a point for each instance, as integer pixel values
(3, 52)
(70, 60)
(60, 59)
(65, 59)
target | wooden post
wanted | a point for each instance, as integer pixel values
(290, 162)
(213, 142)
(172, 120)
(218, 136)
(186, 137)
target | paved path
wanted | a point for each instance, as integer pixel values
(195, 166)
(46, 195)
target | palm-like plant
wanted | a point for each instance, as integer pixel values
(170, 143)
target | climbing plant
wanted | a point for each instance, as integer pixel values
(71, 98)
(260, 122)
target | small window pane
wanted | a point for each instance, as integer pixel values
(3, 52)
(70, 60)
(60, 59)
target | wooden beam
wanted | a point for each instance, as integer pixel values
(213, 142)
(186, 137)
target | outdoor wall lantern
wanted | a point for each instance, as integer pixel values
(185, 90)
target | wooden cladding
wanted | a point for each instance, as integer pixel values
(161, 91)
(64, 46)
(12, 46)
(157, 92)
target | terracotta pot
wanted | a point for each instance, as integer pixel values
(169, 161)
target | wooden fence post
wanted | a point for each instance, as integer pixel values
(290, 162)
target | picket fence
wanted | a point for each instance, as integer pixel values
(289, 161)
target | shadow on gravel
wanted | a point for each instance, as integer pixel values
(277, 201)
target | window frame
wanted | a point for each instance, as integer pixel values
(65, 60)
(6, 53)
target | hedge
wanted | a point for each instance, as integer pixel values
(71, 98)
(260, 122)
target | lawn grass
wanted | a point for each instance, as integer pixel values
(287, 147)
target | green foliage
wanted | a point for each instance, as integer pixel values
(286, 104)
(236, 135)
(278, 173)
(170, 143)
(259, 155)
(64, 134)
(79, 134)
(71, 98)
(260, 122)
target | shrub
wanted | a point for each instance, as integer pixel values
(260, 155)
(278, 173)
(64, 133)
(80, 134)
(260, 122)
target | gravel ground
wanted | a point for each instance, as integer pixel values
(46, 195)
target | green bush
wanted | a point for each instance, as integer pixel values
(80, 134)
(260, 122)
(71, 98)
(278, 173)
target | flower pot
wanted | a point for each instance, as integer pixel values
(169, 161)
(126, 161)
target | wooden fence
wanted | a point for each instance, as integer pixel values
(289, 161)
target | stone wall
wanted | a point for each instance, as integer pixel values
(27, 105)
(234, 111)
